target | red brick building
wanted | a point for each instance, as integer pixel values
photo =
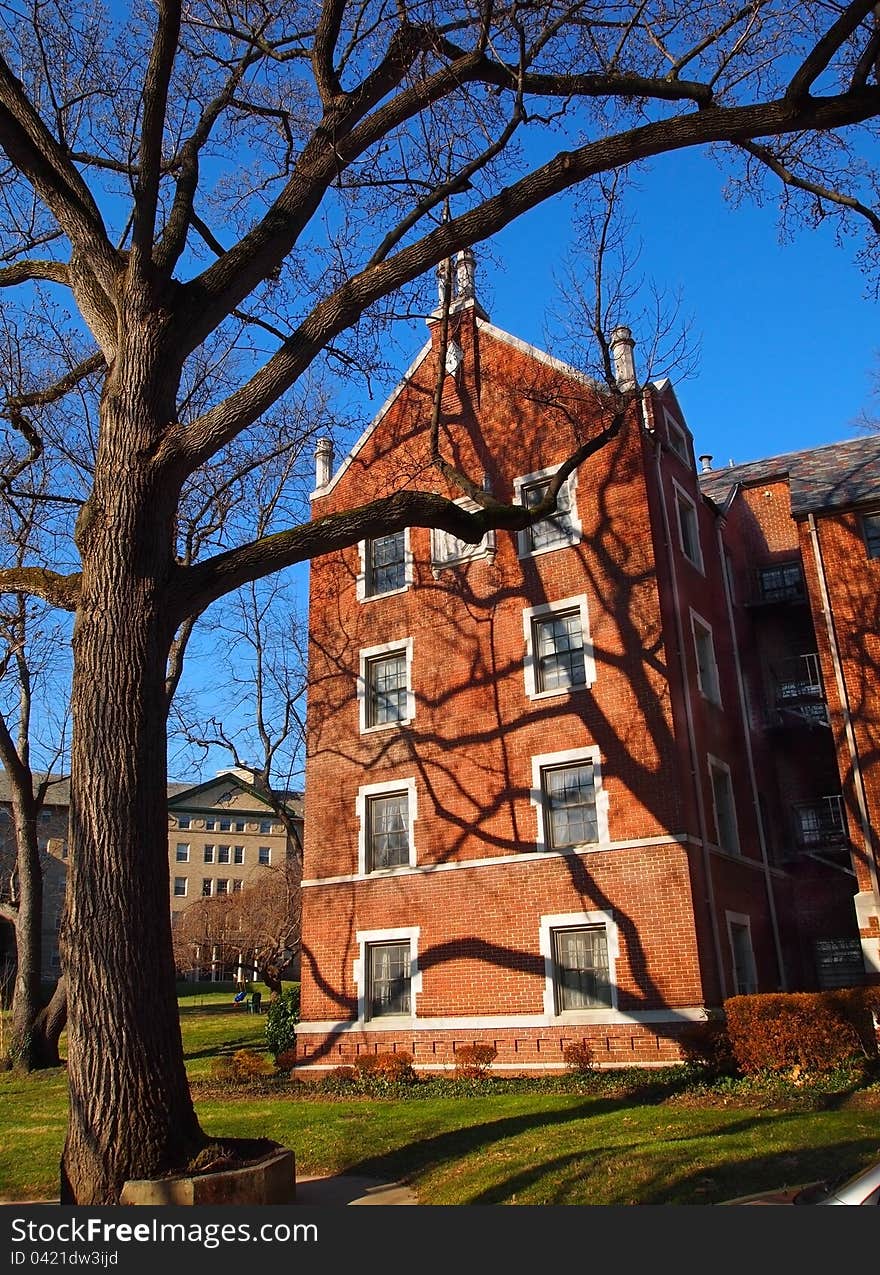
(590, 779)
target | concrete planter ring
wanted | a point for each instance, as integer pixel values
(245, 1173)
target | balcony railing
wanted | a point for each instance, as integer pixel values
(797, 695)
(820, 824)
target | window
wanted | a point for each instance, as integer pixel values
(180, 887)
(384, 687)
(567, 795)
(209, 854)
(727, 836)
(45, 816)
(223, 854)
(210, 825)
(580, 959)
(222, 886)
(238, 854)
(782, 583)
(182, 854)
(559, 656)
(264, 855)
(239, 825)
(265, 825)
(388, 979)
(678, 440)
(388, 833)
(579, 951)
(225, 824)
(560, 528)
(688, 528)
(871, 532)
(739, 933)
(570, 802)
(207, 886)
(183, 821)
(384, 564)
(707, 667)
(236, 886)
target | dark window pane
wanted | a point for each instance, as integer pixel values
(871, 528)
(386, 690)
(389, 979)
(554, 530)
(570, 796)
(559, 652)
(388, 835)
(581, 968)
(386, 568)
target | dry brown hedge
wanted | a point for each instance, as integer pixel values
(814, 1031)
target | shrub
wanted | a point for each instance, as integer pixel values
(472, 1062)
(707, 1044)
(339, 1080)
(286, 1061)
(244, 1065)
(579, 1056)
(387, 1068)
(810, 1031)
(281, 1020)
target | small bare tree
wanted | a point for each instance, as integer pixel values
(256, 930)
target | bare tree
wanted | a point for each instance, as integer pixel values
(270, 178)
(256, 930)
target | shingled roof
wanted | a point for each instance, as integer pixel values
(834, 476)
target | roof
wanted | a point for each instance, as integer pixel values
(835, 476)
(58, 793)
(192, 796)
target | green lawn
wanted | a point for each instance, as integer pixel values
(515, 1148)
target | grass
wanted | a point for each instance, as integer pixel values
(511, 1147)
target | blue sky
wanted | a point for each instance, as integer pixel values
(788, 336)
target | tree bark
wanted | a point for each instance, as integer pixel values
(48, 1026)
(27, 1000)
(131, 1114)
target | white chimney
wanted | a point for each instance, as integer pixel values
(465, 272)
(323, 462)
(706, 464)
(622, 345)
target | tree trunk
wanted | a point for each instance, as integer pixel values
(48, 1026)
(131, 1114)
(27, 1000)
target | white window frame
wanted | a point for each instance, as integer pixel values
(182, 845)
(362, 806)
(524, 545)
(744, 922)
(181, 894)
(713, 693)
(261, 862)
(370, 938)
(184, 822)
(441, 556)
(570, 921)
(533, 616)
(209, 893)
(681, 496)
(367, 656)
(224, 881)
(213, 855)
(361, 581)
(569, 757)
(675, 430)
(238, 862)
(715, 763)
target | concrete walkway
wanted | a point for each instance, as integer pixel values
(348, 1188)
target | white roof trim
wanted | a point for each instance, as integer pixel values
(401, 385)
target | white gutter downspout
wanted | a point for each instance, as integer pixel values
(858, 780)
(768, 880)
(692, 743)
